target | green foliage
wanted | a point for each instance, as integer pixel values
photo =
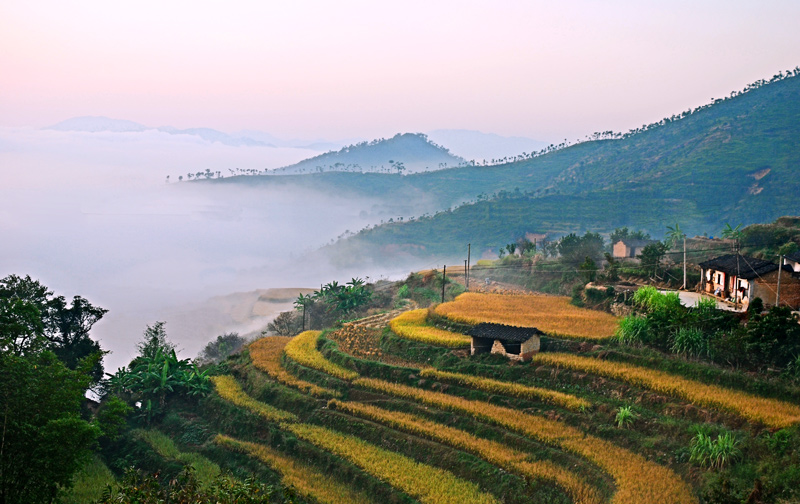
(45, 440)
(402, 292)
(716, 453)
(89, 483)
(780, 442)
(690, 341)
(652, 255)
(112, 416)
(624, 233)
(138, 488)
(588, 269)
(218, 350)
(575, 249)
(31, 317)
(157, 374)
(625, 417)
(633, 330)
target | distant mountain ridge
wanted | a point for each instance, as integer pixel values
(403, 153)
(99, 124)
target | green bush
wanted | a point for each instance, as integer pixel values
(625, 416)
(716, 453)
(633, 330)
(690, 341)
(402, 292)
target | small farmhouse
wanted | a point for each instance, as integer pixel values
(629, 247)
(793, 261)
(740, 279)
(516, 343)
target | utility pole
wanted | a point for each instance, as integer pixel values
(469, 262)
(684, 262)
(778, 292)
(465, 273)
(444, 279)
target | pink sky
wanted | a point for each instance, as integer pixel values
(546, 70)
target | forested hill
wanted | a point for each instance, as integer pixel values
(734, 161)
(403, 153)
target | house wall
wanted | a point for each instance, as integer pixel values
(794, 264)
(516, 351)
(766, 287)
(620, 250)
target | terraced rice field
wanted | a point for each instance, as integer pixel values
(413, 325)
(440, 431)
(553, 315)
(770, 412)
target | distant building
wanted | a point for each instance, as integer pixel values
(793, 261)
(629, 247)
(740, 279)
(516, 343)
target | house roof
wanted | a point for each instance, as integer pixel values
(636, 242)
(503, 332)
(794, 256)
(746, 267)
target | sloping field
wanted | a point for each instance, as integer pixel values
(308, 482)
(266, 355)
(413, 325)
(770, 412)
(553, 315)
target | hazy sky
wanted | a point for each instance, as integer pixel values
(540, 69)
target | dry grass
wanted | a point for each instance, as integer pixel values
(230, 390)
(266, 356)
(303, 350)
(427, 484)
(491, 451)
(307, 481)
(637, 479)
(553, 315)
(770, 412)
(511, 389)
(413, 325)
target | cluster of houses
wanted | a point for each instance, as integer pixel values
(733, 277)
(737, 278)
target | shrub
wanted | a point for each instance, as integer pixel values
(625, 416)
(690, 341)
(714, 453)
(402, 292)
(632, 330)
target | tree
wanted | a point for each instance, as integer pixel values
(652, 255)
(65, 326)
(675, 235)
(285, 324)
(156, 375)
(44, 439)
(574, 249)
(218, 350)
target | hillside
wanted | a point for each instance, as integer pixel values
(734, 160)
(362, 412)
(403, 153)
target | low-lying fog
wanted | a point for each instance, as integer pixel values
(90, 214)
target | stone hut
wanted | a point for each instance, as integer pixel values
(516, 343)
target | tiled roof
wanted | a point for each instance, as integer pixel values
(502, 332)
(736, 264)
